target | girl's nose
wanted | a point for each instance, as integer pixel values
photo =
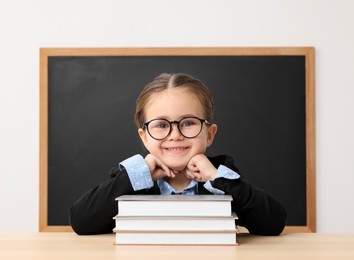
(175, 133)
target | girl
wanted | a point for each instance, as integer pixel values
(174, 115)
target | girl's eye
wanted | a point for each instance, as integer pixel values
(160, 124)
(187, 123)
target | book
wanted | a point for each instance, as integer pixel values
(176, 238)
(174, 205)
(175, 220)
(174, 223)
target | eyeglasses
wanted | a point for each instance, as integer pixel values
(189, 127)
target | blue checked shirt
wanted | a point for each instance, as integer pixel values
(140, 178)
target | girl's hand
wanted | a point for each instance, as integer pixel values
(200, 168)
(157, 169)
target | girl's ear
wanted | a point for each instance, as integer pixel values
(142, 135)
(211, 134)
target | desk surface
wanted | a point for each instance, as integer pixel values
(62, 246)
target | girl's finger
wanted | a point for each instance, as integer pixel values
(167, 171)
(172, 174)
(189, 175)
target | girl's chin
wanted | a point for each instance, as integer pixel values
(177, 168)
(176, 164)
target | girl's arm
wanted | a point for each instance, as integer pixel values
(257, 210)
(93, 212)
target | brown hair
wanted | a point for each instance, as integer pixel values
(165, 81)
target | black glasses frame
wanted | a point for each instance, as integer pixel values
(146, 126)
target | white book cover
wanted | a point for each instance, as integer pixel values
(174, 223)
(178, 238)
(174, 205)
(176, 197)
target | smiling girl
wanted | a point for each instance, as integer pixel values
(174, 115)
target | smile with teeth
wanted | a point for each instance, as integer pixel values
(176, 149)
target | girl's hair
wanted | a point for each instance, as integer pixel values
(178, 80)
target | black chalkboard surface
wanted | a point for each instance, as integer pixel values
(264, 101)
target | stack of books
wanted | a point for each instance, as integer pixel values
(175, 219)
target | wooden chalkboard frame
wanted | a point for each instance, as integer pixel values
(308, 52)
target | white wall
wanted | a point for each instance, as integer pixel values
(25, 26)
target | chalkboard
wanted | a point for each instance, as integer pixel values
(264, 100)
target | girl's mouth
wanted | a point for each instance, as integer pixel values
(176, 149)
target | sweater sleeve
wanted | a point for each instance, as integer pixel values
(93, 212)
(256, 209)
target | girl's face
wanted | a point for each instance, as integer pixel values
(175, 151)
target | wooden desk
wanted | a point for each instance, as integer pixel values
(64, 246)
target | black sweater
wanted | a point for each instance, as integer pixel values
(257, 210)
